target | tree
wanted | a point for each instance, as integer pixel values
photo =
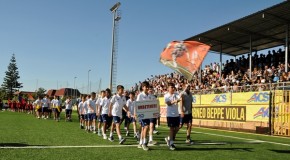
(10, 83)
(40, 92)
(3, 94)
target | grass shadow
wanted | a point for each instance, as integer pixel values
(214, 149)
(209, 142)
(16, 145)
(280, 151)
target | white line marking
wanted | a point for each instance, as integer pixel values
(52, 147)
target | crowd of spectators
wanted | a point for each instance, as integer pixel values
(235, 76)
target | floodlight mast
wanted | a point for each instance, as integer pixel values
(113, 66)
(115, 7)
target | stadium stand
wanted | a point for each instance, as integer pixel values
(235, 77)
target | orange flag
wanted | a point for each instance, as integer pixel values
(185, 57)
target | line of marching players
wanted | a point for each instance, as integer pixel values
(109, 111)
(104, 114)
(43, 107)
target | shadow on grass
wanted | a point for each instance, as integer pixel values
(280, 151)
(209, 142)
(16, 145)
(213, 149)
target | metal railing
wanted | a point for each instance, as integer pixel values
(245, 88)
(239, 89)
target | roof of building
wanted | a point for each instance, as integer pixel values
(67, 92)
(51, 92)
(265, 28)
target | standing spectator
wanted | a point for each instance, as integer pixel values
(269, 58)
(214, 66)
(218, 68)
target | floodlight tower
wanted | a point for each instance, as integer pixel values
(113, 71)
(100, 85)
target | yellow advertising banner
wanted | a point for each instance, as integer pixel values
(163, 111)
(247, 98)
(161, 101)
(239, 112)
(280, 96)
(247, 113)
(223, 113)
(216, 99)
(196, 99)
(258, 113)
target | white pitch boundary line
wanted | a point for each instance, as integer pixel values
(54, 147)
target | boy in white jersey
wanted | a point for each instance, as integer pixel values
(81, 112)
(86, 115)
(68, 109)
(171, 100)
(131, 105)
(92, 110)
(56, 107)
(104, 110)
(45, 104)
(118, 102)
(99, 114)
(143, 96)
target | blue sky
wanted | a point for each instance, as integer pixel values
(57, 40)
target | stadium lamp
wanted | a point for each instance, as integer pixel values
(117, 18)
(115, 7)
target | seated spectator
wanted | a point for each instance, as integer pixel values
(235, 76)
(276, 78)
(235, 87)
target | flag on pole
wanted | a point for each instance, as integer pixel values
(185, 57)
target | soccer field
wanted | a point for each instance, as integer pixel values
(24, 137)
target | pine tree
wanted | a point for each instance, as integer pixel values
(10, 83)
